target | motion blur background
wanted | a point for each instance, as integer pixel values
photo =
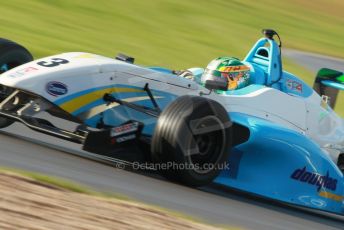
(174, 33)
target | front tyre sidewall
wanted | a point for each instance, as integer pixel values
(176, 141)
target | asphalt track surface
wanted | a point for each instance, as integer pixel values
(312, 61)
(24, 149)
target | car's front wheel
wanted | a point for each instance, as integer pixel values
(192, 140)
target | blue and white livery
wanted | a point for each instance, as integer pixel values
(291, 142)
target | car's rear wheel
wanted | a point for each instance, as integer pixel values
(11, 56)
(340, 162)
(192, 140)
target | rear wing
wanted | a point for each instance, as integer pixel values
(327, 84)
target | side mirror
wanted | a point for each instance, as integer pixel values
(219, 84)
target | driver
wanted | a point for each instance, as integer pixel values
(231, 69)
(236, 73)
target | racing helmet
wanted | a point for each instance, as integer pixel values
(228, 69)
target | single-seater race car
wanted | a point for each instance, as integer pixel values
(276, 137)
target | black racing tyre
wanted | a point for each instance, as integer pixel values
(11, 55)
(192, 140)
(340, 162)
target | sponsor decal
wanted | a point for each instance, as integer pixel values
(234, 68)
(127, 128)
(315, 179)
(294, 85)
(56, 88)
(22, 72)
(125, 138)
(331, 196)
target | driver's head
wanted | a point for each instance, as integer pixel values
(229, 69)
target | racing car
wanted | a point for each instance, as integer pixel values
(280, 138)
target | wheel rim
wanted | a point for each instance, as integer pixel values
(9, 65)
(4, 68)
(210, 145)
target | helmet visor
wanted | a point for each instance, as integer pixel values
(208, 73)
